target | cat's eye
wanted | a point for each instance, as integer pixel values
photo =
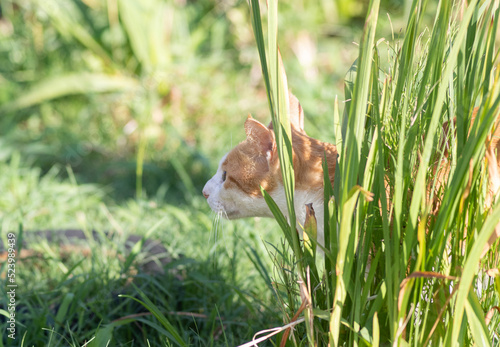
(224, 176)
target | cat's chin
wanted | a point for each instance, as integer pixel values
(227, 214)
(231, 215)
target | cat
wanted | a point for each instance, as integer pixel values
(234, 190)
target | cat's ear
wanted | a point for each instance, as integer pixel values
(261, 136)
(296, 112)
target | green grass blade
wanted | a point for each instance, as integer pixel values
(70, 84)
(281, 123)
(278, 215)
(277, 91)
(344, 257)
(310, 236)
(349, 161)
(475, 319)
(470, 271)
(64, 308)
(376, 331)
(173, 334)
(103, 336)
(259, 40)
(337, 127)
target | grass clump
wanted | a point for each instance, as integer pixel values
(396, 269)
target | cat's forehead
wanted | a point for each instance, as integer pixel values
(223, 160)
(231, 159)
(239, 155)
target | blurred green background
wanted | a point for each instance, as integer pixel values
(114, 114)
(99, 86)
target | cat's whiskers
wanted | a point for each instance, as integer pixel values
(223, 211)
(217, 225)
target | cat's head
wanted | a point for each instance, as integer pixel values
(234, 191)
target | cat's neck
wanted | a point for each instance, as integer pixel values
(301, 198)
(308, 156)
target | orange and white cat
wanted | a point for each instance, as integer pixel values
(234, 191)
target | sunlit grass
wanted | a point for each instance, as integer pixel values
(383, 249)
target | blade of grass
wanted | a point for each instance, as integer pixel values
(171, 331)
(344, 257)
(277, 91)
(70, 84)
(475, 320)
(349, 167)
(469, 272)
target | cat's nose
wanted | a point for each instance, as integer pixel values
(205, 194)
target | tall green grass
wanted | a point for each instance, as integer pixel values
(109, 111)
(395, 270)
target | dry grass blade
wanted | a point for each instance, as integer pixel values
(273, 331)
(490, 314)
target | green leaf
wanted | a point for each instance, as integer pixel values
(475, 319)
(354, 137)
(343, 257)
(310, 232)
(376, 331)
(63, 309)
(278, 215)
(103, 336)
(70, 84)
